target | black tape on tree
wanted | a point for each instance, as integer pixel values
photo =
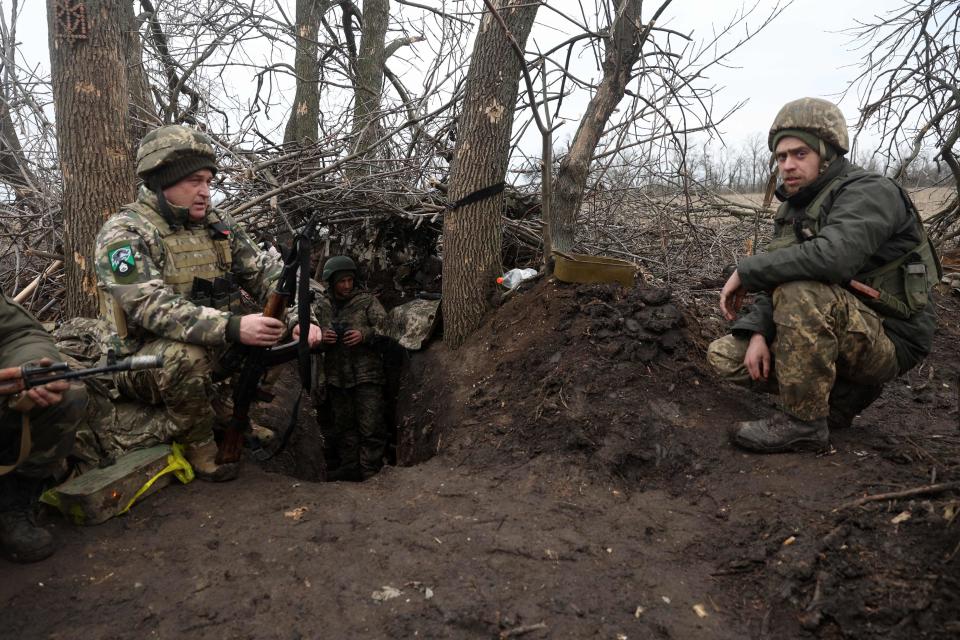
(477, 196)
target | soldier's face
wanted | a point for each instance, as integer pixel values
(193, 192)
(799, 164)
(343, 287)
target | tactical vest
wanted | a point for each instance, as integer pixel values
(903, 284)
(190, 255)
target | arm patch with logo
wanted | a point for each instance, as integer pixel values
(122, 263)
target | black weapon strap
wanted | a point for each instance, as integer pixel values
(477, 196)
(303, 309)
(300, 253)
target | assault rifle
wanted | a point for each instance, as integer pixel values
(294, 281)
(16, 379)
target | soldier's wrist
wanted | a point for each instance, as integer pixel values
(233, 328)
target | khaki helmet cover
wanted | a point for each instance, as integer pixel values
(171, 145)
(815, 116)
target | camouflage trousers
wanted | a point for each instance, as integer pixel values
(183, 385)
(354, 433)
(830, 356)
(51, 428)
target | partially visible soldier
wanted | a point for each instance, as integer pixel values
(842, 301)
(170, 270)
(355, 436)
(49, 425)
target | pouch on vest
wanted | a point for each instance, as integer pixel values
(915, 284)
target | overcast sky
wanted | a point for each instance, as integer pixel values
(803, 53)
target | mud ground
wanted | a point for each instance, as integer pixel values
(572, 480)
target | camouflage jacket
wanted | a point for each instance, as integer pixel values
(131, 258)
(345, 366)
(866, 226)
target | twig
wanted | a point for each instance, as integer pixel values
(906, 493)
(29, 289)
(522, 630)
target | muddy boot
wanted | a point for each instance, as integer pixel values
(21, 540)
(202, 457)
(781, 433)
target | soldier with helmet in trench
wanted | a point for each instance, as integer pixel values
(354, 431)
(170, 269)
(841, 294)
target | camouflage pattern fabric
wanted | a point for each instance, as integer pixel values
(823, 334)
(182, 385)
(344, 366)
(355, 434)
(412, 323)
(132, 255)
(820, 117)
(22, 340)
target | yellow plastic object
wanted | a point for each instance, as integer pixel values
(176, 464)
(586, 269)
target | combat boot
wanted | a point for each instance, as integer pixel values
(21, 540)
(202, 456)
(780, 433)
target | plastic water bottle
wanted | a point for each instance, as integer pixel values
(514, 277)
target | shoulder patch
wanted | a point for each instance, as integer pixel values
(122, 262)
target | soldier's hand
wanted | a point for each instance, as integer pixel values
(258, 330)
(50, 393)
(352, 338)
(313, 337)
(757, 358)
(731, 296)
(330, 336)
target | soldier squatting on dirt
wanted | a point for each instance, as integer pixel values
(355, 436)
(169, 269)
(842, 301)
(36, 434)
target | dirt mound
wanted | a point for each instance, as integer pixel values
(590, 372)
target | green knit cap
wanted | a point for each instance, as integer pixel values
(821, 146)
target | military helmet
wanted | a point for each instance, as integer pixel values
(175, 148)
(337, 263)
(816, 116)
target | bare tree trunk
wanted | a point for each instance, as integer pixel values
(302, 126)
(143, 109)
(369, 82)
(623, 46)
(90, 91)
(472, 233)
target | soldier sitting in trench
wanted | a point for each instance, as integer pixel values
(842, 301)
(36, 434)
(152, 256)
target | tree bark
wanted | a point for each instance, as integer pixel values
(368, 85)
(472, 233)
(623, 47)
(90, 95)
(302, 127)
